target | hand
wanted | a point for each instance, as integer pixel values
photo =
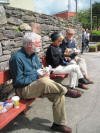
(47, 75)
(67, 52)
(68, 59)
(77, 51)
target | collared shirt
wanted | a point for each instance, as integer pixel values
(23, 68)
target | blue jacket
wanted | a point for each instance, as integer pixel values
(23, 68)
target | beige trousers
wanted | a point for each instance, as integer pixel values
(54, 91)
(81, 63)
(73, 72)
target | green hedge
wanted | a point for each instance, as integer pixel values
(95, 32)
(93, 48)
(98, 44)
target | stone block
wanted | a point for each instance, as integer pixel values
(14, 21)
(9, 33)
(0, 49)
(1, 36)
(25, 27)
(3, 19)
(4, 65)
(6, 52)
(4, 58)
(28, 18)
(11, 27)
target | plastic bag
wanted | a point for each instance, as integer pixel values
(5, 106)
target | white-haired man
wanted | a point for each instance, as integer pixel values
(69, 48)
(23, 67)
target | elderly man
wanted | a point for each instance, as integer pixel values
(23, 67)
(69, 48)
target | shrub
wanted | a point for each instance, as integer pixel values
(92, 48)
(96, 33)
(98, 46)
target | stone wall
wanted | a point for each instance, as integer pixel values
(15, 22)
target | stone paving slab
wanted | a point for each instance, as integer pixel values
(83, 113)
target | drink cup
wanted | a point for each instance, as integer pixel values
(15, 100)
(1, 106)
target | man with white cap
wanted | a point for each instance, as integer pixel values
(23, 67)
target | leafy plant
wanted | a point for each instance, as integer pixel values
(84, 16)
(93, 48)
(95, 32)
(98, 46)
(17, 29)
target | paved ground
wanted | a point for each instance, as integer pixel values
(83, 113)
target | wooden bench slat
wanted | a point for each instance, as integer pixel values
(53, 76)
(12, 113)
(6, 117)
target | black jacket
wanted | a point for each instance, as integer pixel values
(54, 56)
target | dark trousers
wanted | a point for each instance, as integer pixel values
(85, 45)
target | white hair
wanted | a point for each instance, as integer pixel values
(30, 37)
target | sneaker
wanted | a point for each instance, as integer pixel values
(73, 93)
(61, 128)
(83, 81)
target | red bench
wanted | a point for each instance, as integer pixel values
(6, 117)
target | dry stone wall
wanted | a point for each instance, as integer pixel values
(13, 25)
(15, 22)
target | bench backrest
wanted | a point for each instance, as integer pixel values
(4, 76)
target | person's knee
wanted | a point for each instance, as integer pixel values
(56, 98)
(44, 80)
(75, 68)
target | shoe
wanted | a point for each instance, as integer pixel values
(83, 81)
(73, 93)
(61, 128)
(83, 86)
(89, 81)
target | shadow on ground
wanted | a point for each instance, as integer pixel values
(36, 123)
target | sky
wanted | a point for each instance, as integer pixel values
(53, 6)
